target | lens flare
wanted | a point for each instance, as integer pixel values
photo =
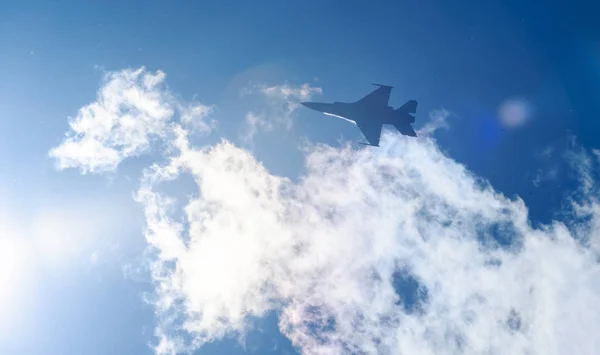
(515, 112)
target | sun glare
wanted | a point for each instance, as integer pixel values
(12, 265)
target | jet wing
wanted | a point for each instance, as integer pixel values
(378, 97)
(371, 130)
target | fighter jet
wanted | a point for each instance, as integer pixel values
(371, 112)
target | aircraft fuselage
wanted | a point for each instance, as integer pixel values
(356, 113)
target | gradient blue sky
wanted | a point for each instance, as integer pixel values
(465, 57)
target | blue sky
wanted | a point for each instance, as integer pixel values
(88, 252)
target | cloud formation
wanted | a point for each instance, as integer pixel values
(327, 253)
(278, 102)
(131, 109)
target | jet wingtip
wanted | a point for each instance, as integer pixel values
(382, 85)
(310, 105)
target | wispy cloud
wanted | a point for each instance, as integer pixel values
(325, 251)
(563, 158)
(545, 175)
(438, 119)
(131, 109)
(254, 123)
(280, 101)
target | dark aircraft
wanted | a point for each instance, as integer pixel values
(371, 112)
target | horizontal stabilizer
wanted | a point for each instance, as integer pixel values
(405, 129)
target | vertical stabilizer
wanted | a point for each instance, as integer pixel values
(409, 107)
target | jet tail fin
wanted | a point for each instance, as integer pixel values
(409, 107)
(383, 86)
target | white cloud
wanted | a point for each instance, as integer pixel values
(544, 175)
(281, 101)
(327, 248)
(131, 108)
(193, 116)
(324, 251)
(437, 119)
(254, 123)
(559, 159)
(287, 92)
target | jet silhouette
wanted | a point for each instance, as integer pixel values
(371, 112)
